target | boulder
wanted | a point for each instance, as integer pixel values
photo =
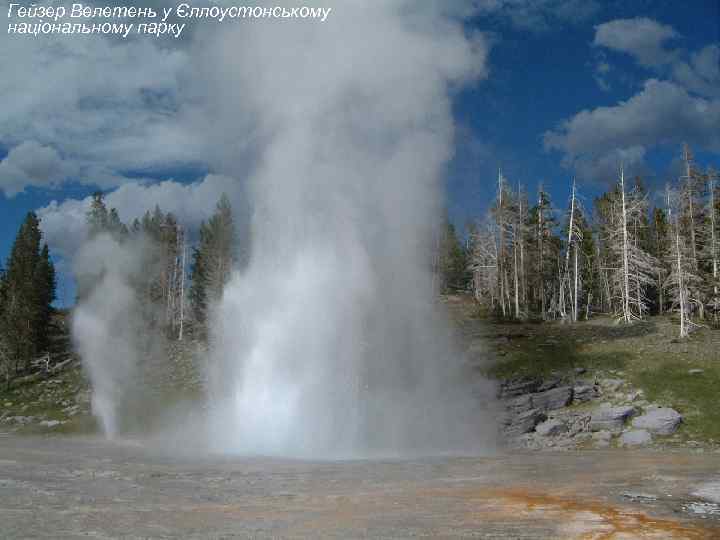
(519, 404)
(518, 387)
(612, 384)
(635, 437)
(553, 399)
(549, 384)
(661, 421)
(50, 423)
(525, 422)
(583, 392)
(550, 428)
(610, 418)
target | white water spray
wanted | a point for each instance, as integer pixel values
(106, 326)
(329, 343)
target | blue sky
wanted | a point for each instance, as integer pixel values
(571, 88)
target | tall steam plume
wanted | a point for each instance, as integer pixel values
(329, 344)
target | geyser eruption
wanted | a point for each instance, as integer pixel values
(105, 325)
(328, 343)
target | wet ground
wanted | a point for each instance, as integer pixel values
(80, 488)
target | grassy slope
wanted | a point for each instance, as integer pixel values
(164, 380)
(646, 354)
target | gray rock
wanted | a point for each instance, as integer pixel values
(50, 423)
(519, 404)
(580, 370)
(610, 418)
(612, 384)
(696, 371)
(525, 422)
(518, 387)
(551, 428)
(583, 393)
(662, 421)
(635, 437)
(549, 384)
(553, 399)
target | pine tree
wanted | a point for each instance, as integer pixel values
(453, 260)
(97, 216)
(542, 251)
(27, 290)
(213, 259)
(662, 243)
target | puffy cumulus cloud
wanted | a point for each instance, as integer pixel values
(106, 105)
(662, 113)
(32, 164)
(646, 41)
(605, 167)
(64, 226)
(640, 37)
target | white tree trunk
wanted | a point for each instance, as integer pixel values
(575, 296)
(681, 284)
(182, 292)
(714, 243)
(626, 269)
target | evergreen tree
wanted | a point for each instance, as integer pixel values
(453, 260)
(27, 290)
(212, 260)
(97, 216)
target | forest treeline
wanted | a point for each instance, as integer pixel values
(170, 302)
(623, 257)
(27, 291)
(174, 285)
(523, 260)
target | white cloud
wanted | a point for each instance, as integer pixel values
(646, 41)
(64, 226)
(107, 106)
(663, 113)
(642, 38)
(606, 166)
(701, 74)
(32, 164)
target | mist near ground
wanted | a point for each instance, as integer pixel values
(329, 343)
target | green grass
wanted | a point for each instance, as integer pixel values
(696, 397)
(647, 354)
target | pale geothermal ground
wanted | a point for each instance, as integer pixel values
(56, 487)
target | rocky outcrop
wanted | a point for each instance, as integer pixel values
(518, 387)
(610, 418)
(661, 421)
(583, 392)
(525, 422)
(557, 413)
(551, 428)
(555, 398)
